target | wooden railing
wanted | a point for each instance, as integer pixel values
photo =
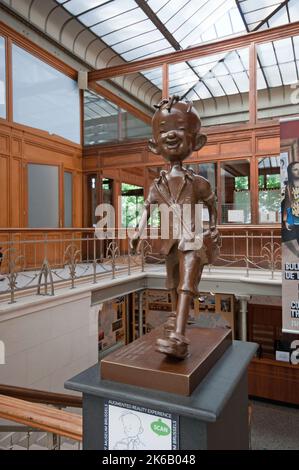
(60, 400)
(41, 417)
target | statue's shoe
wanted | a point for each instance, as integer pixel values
(170, 325)
(172, 348)
(178, 338)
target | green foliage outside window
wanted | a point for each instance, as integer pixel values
(241, 183)
(132, 201)
(269, 182)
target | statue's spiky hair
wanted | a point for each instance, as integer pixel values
(167, 103)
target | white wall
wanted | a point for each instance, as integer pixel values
(47, 344)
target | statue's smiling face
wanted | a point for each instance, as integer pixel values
(174, 138)
(176, 132)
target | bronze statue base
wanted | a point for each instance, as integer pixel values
(140, 365)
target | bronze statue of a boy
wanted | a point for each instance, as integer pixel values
(176, 134)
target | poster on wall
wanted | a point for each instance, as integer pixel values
(131, 427)
(289, 171)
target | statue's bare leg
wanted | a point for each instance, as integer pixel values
(175, 343)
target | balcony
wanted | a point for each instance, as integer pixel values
(39, 264)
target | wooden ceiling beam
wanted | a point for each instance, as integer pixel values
(231, 43)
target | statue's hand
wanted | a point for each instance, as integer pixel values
(215, 236)
(134, 243)
(288, 226)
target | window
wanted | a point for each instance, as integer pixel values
(43, 97)
(43, 196)
(235, 192)
(132, 201)
(133, 128)
(105, 122)
(68, 199)
(100, 120)
(2, 79)
(269, 189)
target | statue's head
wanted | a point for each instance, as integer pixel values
(176, 130)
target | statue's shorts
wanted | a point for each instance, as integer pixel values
(184, 269)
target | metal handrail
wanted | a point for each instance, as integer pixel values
(76, 259)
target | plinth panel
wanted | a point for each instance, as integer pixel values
(139, 364)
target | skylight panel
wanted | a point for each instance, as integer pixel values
(108, 11)
(296, 46)
(236, 19)
(166, 10)
(76, 7)
(255, 11)
(258, 15)
(234, 62)
(209, 35)
(182, 74)
(289, 73)
(261, 82)
(205, 64)
(201, 91)
(124, 20)
(214, 13)
(153, 74)
(228, 85)
(293, 7)
(223, 26)
(273, 76)
(143, 39)
(122, 34)
(281, 17)
(241, 78)
(284, 50)
(192, 13)
(214, 86)
(266, 54)
(160, 47)
(220, 69)
(251, 5)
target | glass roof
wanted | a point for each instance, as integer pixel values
(137, 29)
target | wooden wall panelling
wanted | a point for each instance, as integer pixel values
(16, 192)
(236, 147)
(4, 190)
(4, 143)
(273, 380)
(266, 146)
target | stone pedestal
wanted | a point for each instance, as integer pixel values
(215, 416)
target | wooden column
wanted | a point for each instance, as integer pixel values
(252, 84)
(165, 81)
